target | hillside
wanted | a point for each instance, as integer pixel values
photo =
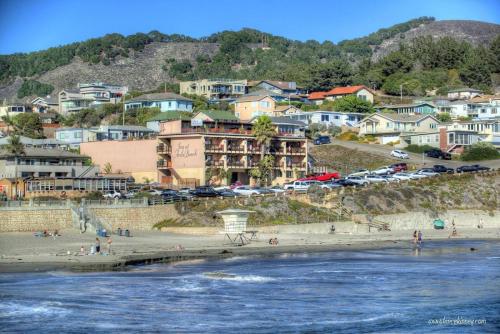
(145, 61)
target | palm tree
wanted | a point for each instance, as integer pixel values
(16, 148)
(8, 121)
(263, 130)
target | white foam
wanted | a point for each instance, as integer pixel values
(45, 308)
(245, 278)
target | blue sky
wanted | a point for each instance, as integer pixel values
(29, 25)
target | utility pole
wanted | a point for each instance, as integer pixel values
(123, 114)
(401, 92)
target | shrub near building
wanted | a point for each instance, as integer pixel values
(480, 151)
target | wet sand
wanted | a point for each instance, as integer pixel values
(22, 252)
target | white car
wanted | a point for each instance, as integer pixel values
(402, 176)
(112, 194)
(154, 192)
(400, 154)
(427, 172)
(358, 180)
(376, 178)
(391, 178)
(245, 191)
(360, 172)
(276, 189)
(416, 176)
(383, 170)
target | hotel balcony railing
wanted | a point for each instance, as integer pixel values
(235, 149)
(295, 150)
(255, 149)
(214, 148)
(163, 164)
(216, 130)
(235, 164)
(215, 163)
(163, 149)
(296, 165)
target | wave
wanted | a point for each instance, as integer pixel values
(46, 308)
(237, 278)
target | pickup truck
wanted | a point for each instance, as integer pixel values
(303, 185)
(443, 169)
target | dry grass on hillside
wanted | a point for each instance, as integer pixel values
(346, 160)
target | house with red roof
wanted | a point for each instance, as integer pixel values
(360, 91)
(317, 97)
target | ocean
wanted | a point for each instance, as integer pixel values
(443, 287)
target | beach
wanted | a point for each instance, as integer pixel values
(23, 252)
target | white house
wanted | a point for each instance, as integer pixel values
(164, 101)
(328, 118)
(464, 93)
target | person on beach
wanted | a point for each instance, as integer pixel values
(415, 236)
(480, 225)
(97, 245)
(419, 237)
(109, 241)
(82, 250)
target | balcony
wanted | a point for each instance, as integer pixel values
(235, 164)
(298, 165)
(163, 149)
(219, 163)
(214, 148)
(235, 148)
(295, 150)
(202, 130)
(162, 164)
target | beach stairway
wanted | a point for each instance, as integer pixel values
(371, 222)
(85, 220)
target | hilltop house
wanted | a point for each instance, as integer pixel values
(89, 95)
(464, 93)
(45, 104)
(215, 89)
(388, 126)
(75, 136)
(317, 97)
(328, 118)
(277, 87)
(362, 92)
(249, 106)
(13, 109)
(163, 101)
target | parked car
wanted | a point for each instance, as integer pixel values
(298, 185)
(154, 192)
(346, 183)
(262, 191)
(416, 176)
(402, 176)
(130, 194)
(427, 172)
(376, 178)
(321, 177)
(276, 189)
(184, 190)
(204, 191)
(400, 154)
(358, 179)
(226, 193)
(399, 167)
(332, 184)
(112, 194)
(480, 168)
(466, 169)
(245, 191)
(390, 178)
(172, 195)
(236, 184)
(322, 140)
(360, 172)
(383, 170)
(443, 169)
(437, 153)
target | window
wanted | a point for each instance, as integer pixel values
(289, 174)
(325, 118)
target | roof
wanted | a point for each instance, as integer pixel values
(464, 89)
(401, 117)
(158, 97)
(123, 128)
(33, 152)
(485, 98)
(284, 108)
(31, 141)
(219, 115)
(316, 96)
(171, 116)
(284, 85)
(410, 105)
(345, 90)
(252, 98)
(264, 92)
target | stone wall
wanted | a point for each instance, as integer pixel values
(136, 218)
(34, 219)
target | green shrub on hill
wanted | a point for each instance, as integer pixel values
(33, 87)
(480, 151)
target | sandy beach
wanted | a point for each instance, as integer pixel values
(23, 252)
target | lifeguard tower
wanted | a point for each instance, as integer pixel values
(235, 226)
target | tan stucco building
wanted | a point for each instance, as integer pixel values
(214, 89)
(249, 106)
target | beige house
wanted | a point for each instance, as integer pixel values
(389, 126)
(285, 110)
(249, 106)
(214, 89)
(361, 92)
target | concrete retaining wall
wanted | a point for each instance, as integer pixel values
(135, 218)
(34, 219)
(423, 220)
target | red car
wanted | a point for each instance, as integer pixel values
(399, 167)
(322, 177)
